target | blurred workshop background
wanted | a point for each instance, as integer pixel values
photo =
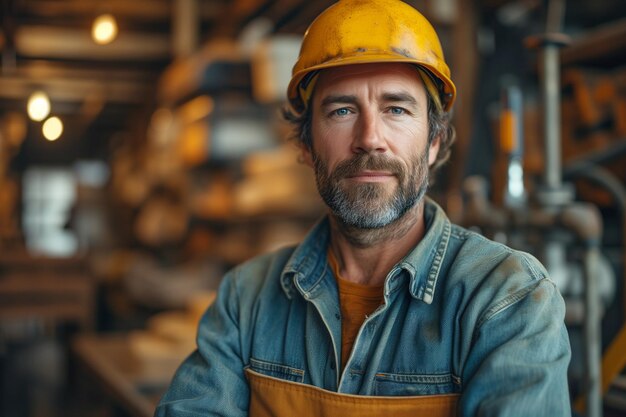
(142, 154)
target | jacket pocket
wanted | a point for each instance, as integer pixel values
(413, 384)
(277, 370)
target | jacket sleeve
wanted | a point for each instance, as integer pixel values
(517, 363)
(211, 381)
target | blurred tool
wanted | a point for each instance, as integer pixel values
(511, 141)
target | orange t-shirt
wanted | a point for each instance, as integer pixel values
(357, 301)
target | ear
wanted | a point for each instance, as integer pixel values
(433, 150)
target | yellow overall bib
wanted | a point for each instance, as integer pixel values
(273, 397)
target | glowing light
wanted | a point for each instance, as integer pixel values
(104, 29)
(516, 179)
(52, 128)
(38, 106)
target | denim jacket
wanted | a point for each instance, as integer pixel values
(461, 314)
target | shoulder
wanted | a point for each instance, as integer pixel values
(470, 269)
(478, 256)
(464, 252)
(493, 276)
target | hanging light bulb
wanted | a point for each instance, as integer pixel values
(104, 29)
(38, 106)
(52, 128)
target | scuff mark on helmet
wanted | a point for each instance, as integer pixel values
(402, 51)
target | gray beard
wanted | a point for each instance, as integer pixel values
(369, 205)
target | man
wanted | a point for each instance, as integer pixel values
(385, 308)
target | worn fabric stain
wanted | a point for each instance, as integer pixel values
(539, 295)
(513, 289)
(431, 331)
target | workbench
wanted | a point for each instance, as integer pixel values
(125, 380)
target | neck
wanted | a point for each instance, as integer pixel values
(366, 256)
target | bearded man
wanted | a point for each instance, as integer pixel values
(385, 308)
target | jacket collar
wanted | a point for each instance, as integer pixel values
(308, 264)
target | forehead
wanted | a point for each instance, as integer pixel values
(398, 76)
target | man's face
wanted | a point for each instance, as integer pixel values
(370, 142)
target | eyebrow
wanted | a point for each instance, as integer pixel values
(338, 99)
(350, 99)
(400, 98)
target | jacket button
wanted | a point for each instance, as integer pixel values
(332, 364)
(337, 316)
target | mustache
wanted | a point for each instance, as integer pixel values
(363, 162)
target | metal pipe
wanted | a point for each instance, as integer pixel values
(614, 186)
(555, 16)
(551, 89)
(593, 336)
(552, 114)
(616, 149)
(586, 222)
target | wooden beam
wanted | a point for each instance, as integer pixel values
(464, 68)
(235, 16)
(135, 9)
(59, 43)
(599, 45)
(73, 90)
(41, 70)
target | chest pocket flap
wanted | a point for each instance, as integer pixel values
(277, 370)
(407, 384)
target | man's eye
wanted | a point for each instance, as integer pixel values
(397, 110)
(341, 112)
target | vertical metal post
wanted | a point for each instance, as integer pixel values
(552, 114)
(593, 335)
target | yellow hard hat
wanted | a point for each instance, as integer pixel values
(367, 31)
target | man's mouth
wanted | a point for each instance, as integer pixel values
(371, 176)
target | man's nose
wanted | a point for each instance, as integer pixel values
(369, 134)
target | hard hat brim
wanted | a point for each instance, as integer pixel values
(448, 89)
